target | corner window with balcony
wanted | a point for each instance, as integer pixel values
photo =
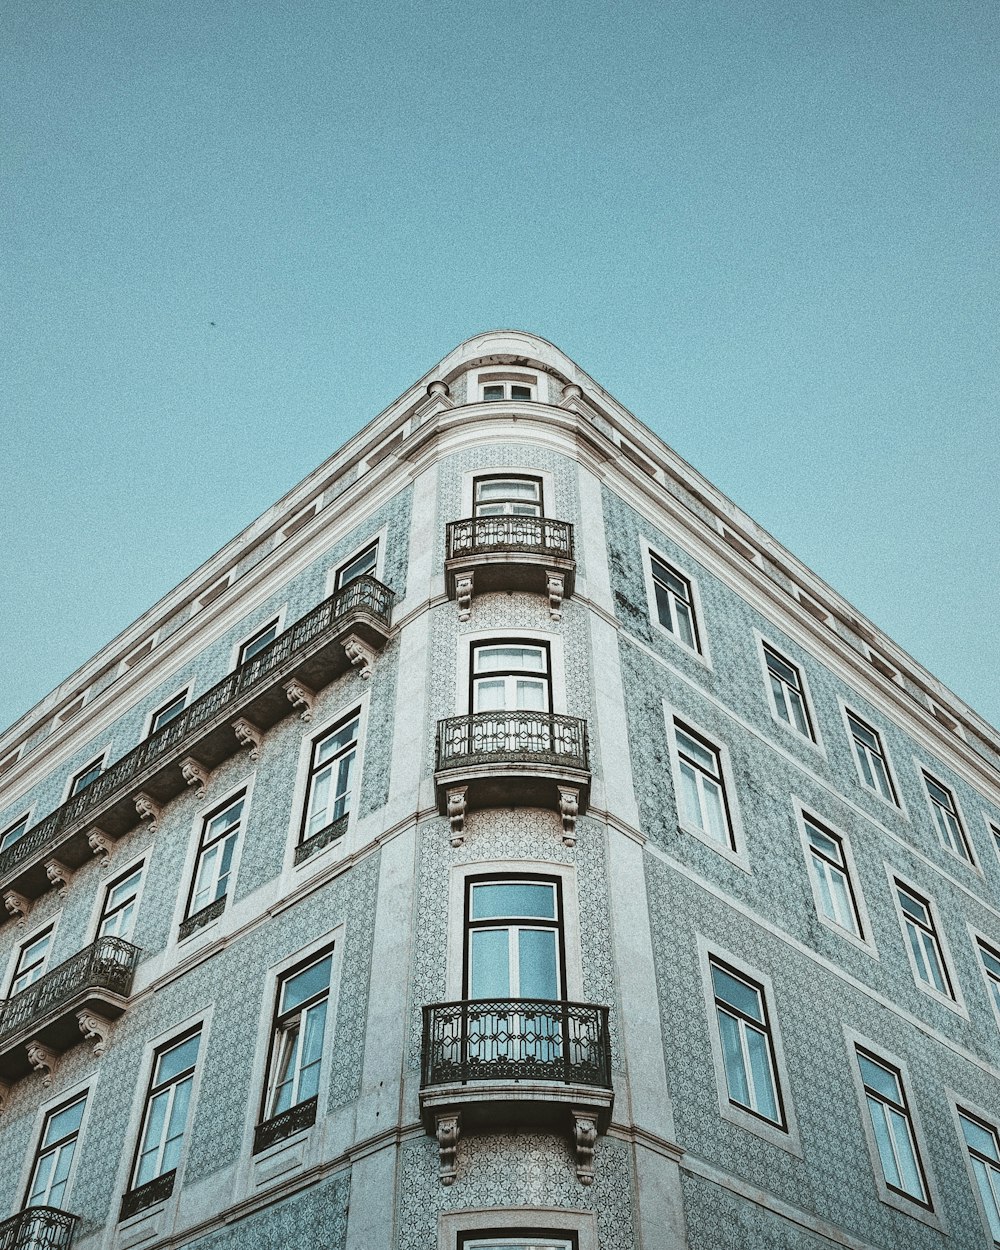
(514, 939)
(674, 603)
(330, 786)
(892, 1126)
(945, 812)
(507, 496)
(54, 1157)
(31, 960)
(214, 865)
(871, 759)
(702, 803)
(787, 692)
(168, 712)
(361, 565)
(983, 1145)
(923, 942)
(120, 899)
(747, 1045)
(257, 642)
(832, 883)
(164, 1124)
(85, 776)
(13, 832)
(296, 1052)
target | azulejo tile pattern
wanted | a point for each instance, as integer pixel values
(315, 1217)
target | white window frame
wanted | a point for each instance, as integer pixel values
(184, 690)
(970, 860)
(100, 758)
(502, 375)
(50, 925)
(737, 853)
(547, 479)
(957, 1003)
(788, 1137)
(814, 739)
(899, 804)
(866, 939)
(960, 1106)
(701, 653)
(124, 871)
(271, 1085)
(53, 1103)
(243, 640)
(566, 1221)
(911, 1206)
(467, 642)
(11, 825)
(380, 537)
(211, 929)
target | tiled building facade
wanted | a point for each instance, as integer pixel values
(502, 842)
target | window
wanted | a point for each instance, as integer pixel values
(297, 1039)
(11, 834)
(513, 939)
(165, 1117)
(984, 1158)
(702, 803)
(747, 1048)
(787, 693)
(219, 836)
(85, 776)
(674, 603)
(54, 1156)
(510, 676)
(945, 812)
(922, 940)
(528, 1240)
(30, 962)
(507, 496)
(871, 759)
(496, 389)
(991, 968)
(258, 641)
(892, 1128)
(331, 778)
(362, 565)
(996, 836)
(828, 865)
(118, 912)
(168, 712)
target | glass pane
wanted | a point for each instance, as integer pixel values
(798, 712)
(285, 1063)
(219, 824)
(760, 1068)
(732, 1055)
(362, 564)
(337, 741)
(664, 607)
(123, 890)
(988, 1182)
(843, 904)
(781, 706)
(40, 1183)
(492, 393)
(178, 1118)
(514, 898)
(154, 1132)
(256, 645)
(507, 488)
(990, 961)
(880, 1079)
(685, 622)
(979, 1138)
(913, 907)
(489, 975)
(697, 752)
(13, 833)
(906, 1156)
(531, 696)
(689, 803)
(319, 801)
(931, 963)
(715, 811)
(490, 696)
(827, 845)
(304, 984)
(737, 994)
(64, 1122)
(883, 1140)
(538, 970)
(178, 1059)
(520, 392)
(510, 659)
(312, 1038)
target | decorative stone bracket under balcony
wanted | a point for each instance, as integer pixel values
(38, 1228)
(502, 1063)
(508, 759)
(509, 553)
(78, 999)
(348, 629)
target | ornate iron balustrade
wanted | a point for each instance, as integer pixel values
(38, 1228)
(107, 964)
(303, 1115)
(533, 535)
(199, 919)
(365, 594)
(331, 833)
(516, 1039)
(512, 738)
(157, 1190)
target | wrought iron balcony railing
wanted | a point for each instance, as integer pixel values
(516, 1039)
(302, 1115)
(204, 728)
(38, 1228)
(512, 738)
(532, 535)
(106, 965)
(148, 1195)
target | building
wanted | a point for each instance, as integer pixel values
(502, 842)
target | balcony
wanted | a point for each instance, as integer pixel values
(509, 553)
(81, 996)
(347, 629)
(508, 759)
(38, 1228)
(502, 1063)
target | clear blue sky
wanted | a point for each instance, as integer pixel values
(770, 229)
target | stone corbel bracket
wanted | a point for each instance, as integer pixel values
(195, 774)
(456, 813)
(584, 1141)
(148, 809)
(101, 844)
(17, 905)
(59, 875)
(42, 1060)
(94, 1028)
(463, 593)
(300, 696)
(555, 585)
(569, 809)
(248, 735)
(360, 654)
(447, 1131)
